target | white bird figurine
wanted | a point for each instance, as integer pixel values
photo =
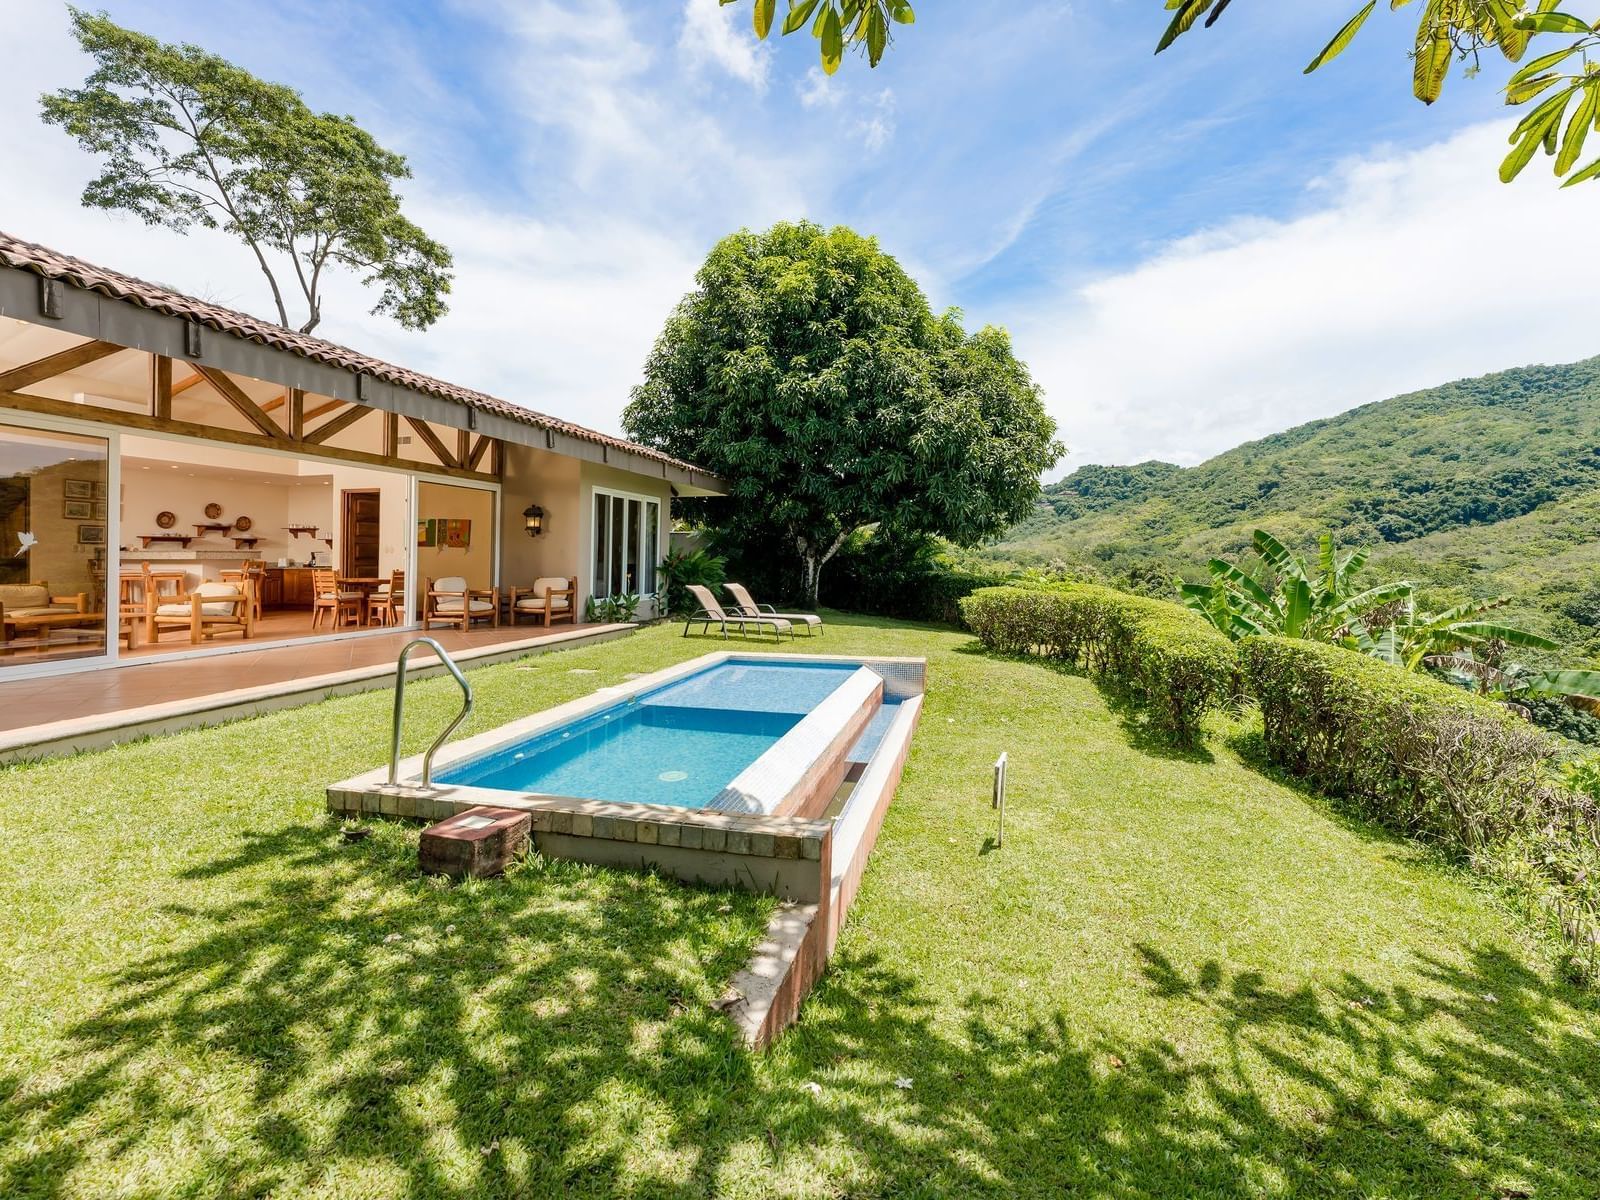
(28, 542)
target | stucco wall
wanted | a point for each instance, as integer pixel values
(552, 482)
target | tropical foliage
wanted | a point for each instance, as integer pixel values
(1319, 601)
(186, 138)
(807, 369)
(1562, 80)
(836, 24)
(681, 569)
(1451, 31)
(1413, 640)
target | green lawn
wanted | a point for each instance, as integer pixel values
(1177, 978)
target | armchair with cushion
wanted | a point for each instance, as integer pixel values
(549, 600)
(212, 608)
(449, 601)
(21, 601)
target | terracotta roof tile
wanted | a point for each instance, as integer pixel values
(52, 264)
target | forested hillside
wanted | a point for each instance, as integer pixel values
(1472, 488)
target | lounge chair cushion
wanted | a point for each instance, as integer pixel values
(537, 603)
(451, 583)
(340, 596)
(44, 610)
(454, 606)
(217, 608)
(548, 584)
(799, 618)
(24, 595)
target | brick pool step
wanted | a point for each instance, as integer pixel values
(476, 842)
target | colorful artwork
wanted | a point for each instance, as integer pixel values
(456, 533)
(427, 533)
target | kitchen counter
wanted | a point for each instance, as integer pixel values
(192, 555)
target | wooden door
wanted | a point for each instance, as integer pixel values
(361, 534)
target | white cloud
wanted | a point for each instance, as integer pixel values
(817, 90)
(711, 37)
(556, 303)
(876, 125)
(1413, 269)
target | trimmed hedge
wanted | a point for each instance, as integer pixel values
(1167, 658)
(1438, 763)
(1415, 754)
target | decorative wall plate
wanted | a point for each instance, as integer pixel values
(243, 524)
(166, 520)
(213, 511)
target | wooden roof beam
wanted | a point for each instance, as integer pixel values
(57, 364)
(343, 421)
(433, 442)
(246, 407)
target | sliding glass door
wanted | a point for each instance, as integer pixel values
(626, 543)
(54, 513)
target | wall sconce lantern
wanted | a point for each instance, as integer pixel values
(533, 520)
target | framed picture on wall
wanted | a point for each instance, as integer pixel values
(100, 490)
(78, 489)
(101, 510)
(77, 510)
(91, 535)
(427, 533)
(457, 533)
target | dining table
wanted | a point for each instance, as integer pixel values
(366, 585)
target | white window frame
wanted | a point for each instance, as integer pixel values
(595, 547)
(42, 423)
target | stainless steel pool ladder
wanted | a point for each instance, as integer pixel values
(400, 709)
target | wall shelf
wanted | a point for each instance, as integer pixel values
(150, 539)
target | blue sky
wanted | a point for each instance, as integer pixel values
(1190, 250)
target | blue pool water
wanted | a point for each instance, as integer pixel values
(679, 744)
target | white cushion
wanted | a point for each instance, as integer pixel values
(452, 584)
(340, 596)
(217, 588)
(549, 584)
(42, 611)
(478, 606)
(538, 602)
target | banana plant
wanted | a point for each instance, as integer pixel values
(1414, 640)
(1511, 683)
(1319, 603)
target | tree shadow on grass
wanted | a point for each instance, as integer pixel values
(337, 1025)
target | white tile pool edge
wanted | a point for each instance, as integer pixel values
(764, 997)
(774, 783)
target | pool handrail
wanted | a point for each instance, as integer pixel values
(400, 708)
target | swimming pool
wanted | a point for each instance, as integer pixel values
(682, 743)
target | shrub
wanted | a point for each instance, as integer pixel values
(905, 577)
(1166, 658)
(1431, 761)
(679, 569)
(1415, 754)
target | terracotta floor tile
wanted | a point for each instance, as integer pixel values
(171, 674)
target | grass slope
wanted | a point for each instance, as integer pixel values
(1501, 457)
(1177, 978)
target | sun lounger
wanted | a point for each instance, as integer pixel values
(748, 607)
(712, 613)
